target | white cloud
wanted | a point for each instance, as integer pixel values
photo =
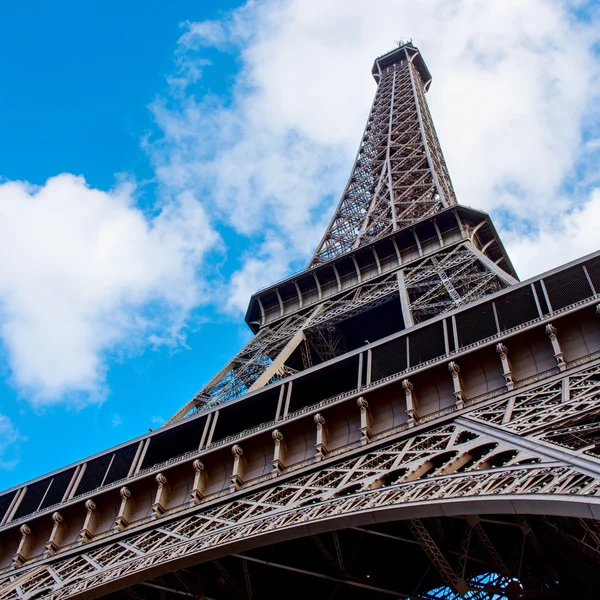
(514, 83)
(85, 274)
(117, 420)
(558, 240)
(10, 440)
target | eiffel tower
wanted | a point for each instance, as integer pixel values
(409, 420)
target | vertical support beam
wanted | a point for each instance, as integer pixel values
(458, 385)
(404, 300)
(12, 508)
(365, 420)
(360, 370)
(55, 539)
(337, 277)
(142, 456)
(279, 451)
(439, 233)
(411, 402)
(357, 268)
(125, 509)
(369, 366)
(24, 546)
(318, 283)
(280, 402)
(502, 352)
(205, 431)
(199, 481)
(262, 311)
(377, 261)
(162, 495)
(537, 300)
(288, 399)
(90, 522)
(418, 242)
(239, 467)
(280, 302)
(67, 493)
(300, 299)
(136, 458)
(446, 339)
(80, 475)
(552, 333)
(321, 445)
(398, 255)
(589, 280)
(455, 333)
(545, 292)
(212, 429)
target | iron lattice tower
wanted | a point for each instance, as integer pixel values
(409, 420)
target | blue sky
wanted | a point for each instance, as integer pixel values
(160, 161)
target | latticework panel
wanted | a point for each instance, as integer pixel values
(447, 280)
(399, 176)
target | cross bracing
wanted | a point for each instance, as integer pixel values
(399, 175)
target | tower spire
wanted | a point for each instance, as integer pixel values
(399, 175)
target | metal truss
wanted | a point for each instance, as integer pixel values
(447, 280)
(266, 353)
(399, 175)
(553, 412)
(493, 452)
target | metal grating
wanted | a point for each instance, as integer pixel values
(426, 344)
(121, 463)
(33, 496)
(567, 287)
(516, 308)
(388, 359)
(476, 324)
(94, 474)
(173, 443)
(593, 269)
(57, 488)
(5, 501)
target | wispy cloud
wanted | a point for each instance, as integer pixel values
(10, 442)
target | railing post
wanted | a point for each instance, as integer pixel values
(279, 451)
(55, 536)
(239, 464)
(24, 544)
(459, 394)
(411, 402)
(365, 420)
(162, 496)
(89, 523)
(552, 333)
(125, 509)
(199, 481)
(502, 352)
(321, 445)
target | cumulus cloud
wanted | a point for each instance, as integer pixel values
(86, 274)
(514, 85)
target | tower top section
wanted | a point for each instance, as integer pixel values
(404, 51)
